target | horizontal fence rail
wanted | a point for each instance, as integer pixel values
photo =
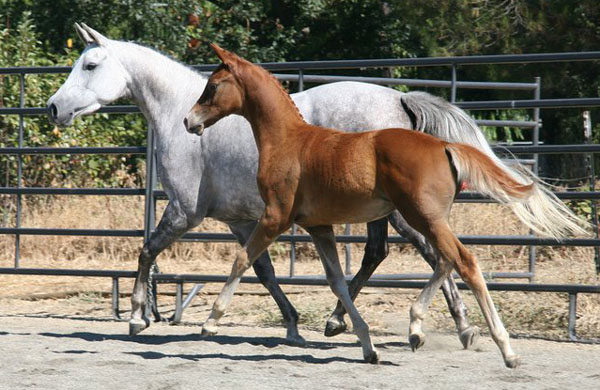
(572, 289)
(375, 63)
(151, 194)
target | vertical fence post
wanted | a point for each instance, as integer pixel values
(535, 141)
(453, 85)
(348, 250)
(115, 298)
(293, 251)
(149, 207)
(572, 325)
(300, 80)
(294, 227)
(20, 169)
(149, 217)
(587, 132)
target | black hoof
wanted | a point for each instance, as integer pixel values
(469, 337)
(416, 341)
(138, 325)
(372, 358)
(333, 328)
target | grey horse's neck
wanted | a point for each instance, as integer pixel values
(163, 89)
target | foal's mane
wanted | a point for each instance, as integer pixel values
(274, 80)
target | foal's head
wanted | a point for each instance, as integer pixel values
(222, 96)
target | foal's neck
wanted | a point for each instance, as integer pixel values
(269, 109)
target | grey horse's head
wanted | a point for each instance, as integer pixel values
(97, 78)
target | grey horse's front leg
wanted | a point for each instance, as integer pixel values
(172, 225)
(263, 267)
(467, 334)
(376, 250)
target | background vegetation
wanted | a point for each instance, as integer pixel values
(36, 33)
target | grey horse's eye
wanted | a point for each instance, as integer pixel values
(90, 66)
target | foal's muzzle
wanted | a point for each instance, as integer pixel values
(198, 129)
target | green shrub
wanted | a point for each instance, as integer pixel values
(21, 47)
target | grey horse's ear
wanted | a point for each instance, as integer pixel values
(85, 37)
(98, 38)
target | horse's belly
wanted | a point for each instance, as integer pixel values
(337, 211)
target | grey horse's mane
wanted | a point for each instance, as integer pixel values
(163, 69)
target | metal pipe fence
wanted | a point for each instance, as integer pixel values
(151, 194)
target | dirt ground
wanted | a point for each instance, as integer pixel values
(49, 352)
(57, 332)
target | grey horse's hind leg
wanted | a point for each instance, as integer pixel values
(172, 225)
(376, 251)
(266, 274)
(468, 334)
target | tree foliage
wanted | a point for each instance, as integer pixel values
(36, 33)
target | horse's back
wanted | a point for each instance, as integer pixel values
(352, 106)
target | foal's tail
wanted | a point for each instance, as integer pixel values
(536, 205)
(530, 200)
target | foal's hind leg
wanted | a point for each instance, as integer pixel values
(467, 334)
(172, 225)
(469, 271)
(465, 264)
(324, 240)
(266, 274)
(376, 251)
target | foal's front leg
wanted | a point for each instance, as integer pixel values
(324, 240)
(269, 227)
(266, 274)
(376, 250)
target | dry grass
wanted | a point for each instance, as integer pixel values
(537, 314)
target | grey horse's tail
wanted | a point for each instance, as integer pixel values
(543, 211)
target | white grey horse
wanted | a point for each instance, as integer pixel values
(214, 175)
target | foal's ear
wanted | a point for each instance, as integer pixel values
(98, 38)
(85, 37)
(228, 58)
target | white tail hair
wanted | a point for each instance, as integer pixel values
(538, 207)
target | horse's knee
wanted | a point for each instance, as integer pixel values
(241, 263)
(375, 252)
(146, 257)
(468, 269)
(274, 229)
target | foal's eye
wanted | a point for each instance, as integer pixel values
(90, 66)
(212, 87)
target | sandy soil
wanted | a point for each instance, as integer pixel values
(57, 333)
(43, 352)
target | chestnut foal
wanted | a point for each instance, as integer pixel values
(317, 177)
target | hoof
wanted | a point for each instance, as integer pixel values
(334, 327)
(296, 340)
(137, 325)
(469, 336)
(208, 330)
(416, 341)
(372, 357)
(513, 361)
